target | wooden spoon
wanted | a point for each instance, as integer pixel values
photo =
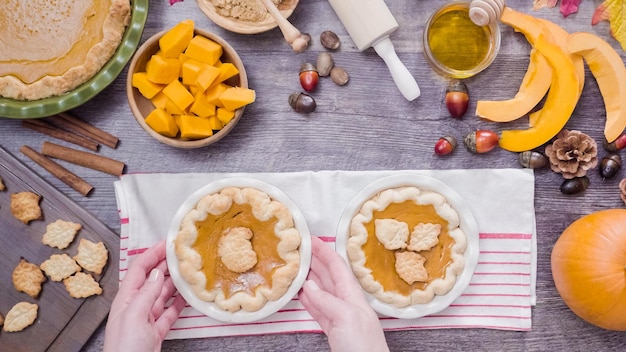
(292, 34)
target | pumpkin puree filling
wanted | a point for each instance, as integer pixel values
(238, 248)
(264, 242)
(406, 246)
(379, 259)
(50, 47)
(24, 56)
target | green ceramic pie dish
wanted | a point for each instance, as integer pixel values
(19, 109)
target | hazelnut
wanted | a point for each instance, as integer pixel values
(325, 63)
(330, 40)
(339, 76)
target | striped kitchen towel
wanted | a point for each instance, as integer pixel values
(500, 294)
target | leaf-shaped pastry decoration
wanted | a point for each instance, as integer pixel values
(538, 4)
(569, 7)
(613, 11)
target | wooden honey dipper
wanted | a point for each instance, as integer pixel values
(483, 12)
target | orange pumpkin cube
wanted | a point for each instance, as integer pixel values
(146, 87)
(162, 122)
(174, 41)
(204, 50)
(162, 70)
(235, 97)
(178, 94)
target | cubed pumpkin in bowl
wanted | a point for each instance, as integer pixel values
(204, 49)
(162, 122)
(194, 127)
(235, 97)
(176, 40)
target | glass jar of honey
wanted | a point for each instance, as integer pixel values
(455, 46)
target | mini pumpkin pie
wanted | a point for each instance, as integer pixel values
(238, 248)
(48, 48)
(405, 246)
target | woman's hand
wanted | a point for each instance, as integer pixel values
(336, 301)
(139, 320)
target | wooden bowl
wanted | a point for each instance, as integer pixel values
(246, 27)
(141, 107)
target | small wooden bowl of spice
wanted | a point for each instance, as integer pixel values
(245, 16)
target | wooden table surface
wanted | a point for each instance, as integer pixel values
(366, 125)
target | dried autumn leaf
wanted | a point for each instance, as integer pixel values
(613, 11)
(569, 7)
(600, 14)
(538, 4)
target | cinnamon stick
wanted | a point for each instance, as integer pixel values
(59, 133)
(58, 171)
(90, 160)
(77, 125)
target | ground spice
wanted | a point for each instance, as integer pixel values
(246, 10)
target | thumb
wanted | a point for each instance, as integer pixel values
(149, 293)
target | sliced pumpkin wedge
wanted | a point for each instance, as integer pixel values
(608, 69)
(558, 107)
(536, 81)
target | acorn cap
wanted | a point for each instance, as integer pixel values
(307, 67)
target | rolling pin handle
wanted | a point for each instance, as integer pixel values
(400, 74)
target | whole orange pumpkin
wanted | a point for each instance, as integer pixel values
(589, 268)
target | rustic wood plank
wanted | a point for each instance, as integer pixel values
(63, 323)
(363, 125)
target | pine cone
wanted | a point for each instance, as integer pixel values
(572, 153)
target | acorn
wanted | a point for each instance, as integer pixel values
(302, 102)
(457, 98)
(575, 185)
(610, 165)
(532, 159)
(445, 145)
(481, 141)
(618, 144)
(308, 76)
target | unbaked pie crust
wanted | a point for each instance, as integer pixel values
(410, 216)
(48, 48)
(218, 227)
